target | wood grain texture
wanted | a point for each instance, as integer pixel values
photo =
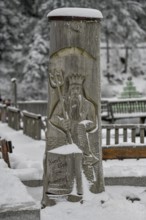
(125, 152)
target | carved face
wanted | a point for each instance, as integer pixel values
(75, 90)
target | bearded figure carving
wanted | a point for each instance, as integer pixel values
(76, 117)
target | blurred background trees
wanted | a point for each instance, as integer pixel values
(24, 41)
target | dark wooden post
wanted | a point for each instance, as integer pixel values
(5, 150)
(3, 109)
(14, 85)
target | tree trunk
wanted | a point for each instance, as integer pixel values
(107, 51)
(126, 59)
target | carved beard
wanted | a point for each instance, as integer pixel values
(75, 104)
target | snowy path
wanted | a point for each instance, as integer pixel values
(116, 203)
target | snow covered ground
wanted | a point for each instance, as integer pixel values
(116, 203)
(113, 204)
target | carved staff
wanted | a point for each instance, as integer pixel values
(58, 83)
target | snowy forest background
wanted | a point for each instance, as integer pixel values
(24, 44)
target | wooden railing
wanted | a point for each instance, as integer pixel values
(127, 108)
(3, 113)
(36, 107)
(119, 140)
(14, 118)
(111, 110)
(122, 141)
(32, 125)
(40, 107)
(6, 148)
(104, 108)
(130, 129)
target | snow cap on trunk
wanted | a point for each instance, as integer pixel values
(76, 12)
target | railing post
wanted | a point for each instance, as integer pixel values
(38, 128)
(142, 133)
(133, 135)
(108, 131)
(14, 85)
(3, 109)
(32, 125)
(142, 120)
(14, 118)
(125, 134)
(116, 135)
(4, 149)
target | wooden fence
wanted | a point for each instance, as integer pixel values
(120, 140)
(36, 107)
(126, 108)
(3, 113)
(128, 144)
(6, 148)
(32, 125)
(40, 107)
(141, 128)
(14, 118)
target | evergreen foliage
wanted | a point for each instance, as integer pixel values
(24, 37)
(129, 91)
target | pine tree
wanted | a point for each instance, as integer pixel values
(129, 91)
(120, 24)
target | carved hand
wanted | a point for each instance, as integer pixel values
(66, 125)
